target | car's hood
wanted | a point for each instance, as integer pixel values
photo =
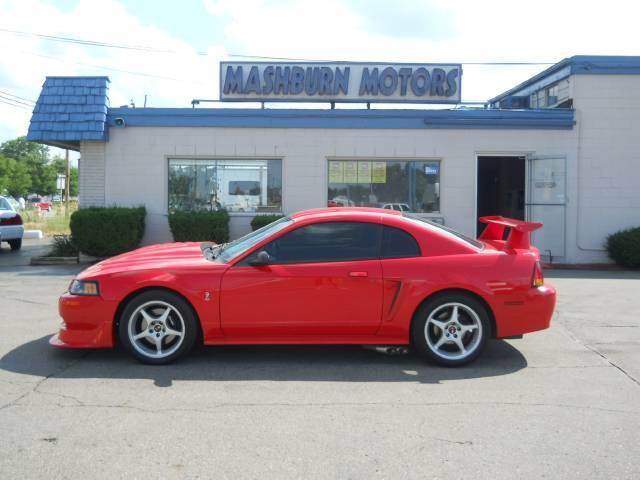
(167, 256)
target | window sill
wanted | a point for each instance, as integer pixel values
(252, 214)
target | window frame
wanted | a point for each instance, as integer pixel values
(216, 158)
(244, 262)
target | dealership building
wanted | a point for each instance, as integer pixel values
(562, 148)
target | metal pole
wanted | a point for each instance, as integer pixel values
(67, 184)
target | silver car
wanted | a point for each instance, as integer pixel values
(11, 225)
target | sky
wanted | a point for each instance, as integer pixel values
(197, 34)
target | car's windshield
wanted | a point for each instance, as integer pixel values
(4, 204)
(241, 245)
(450, 231)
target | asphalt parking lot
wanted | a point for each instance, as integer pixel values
(563, 403)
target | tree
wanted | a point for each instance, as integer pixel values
(73, 185)
(41, 169)
(23, 150)
(15, 177)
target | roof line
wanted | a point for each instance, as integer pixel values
(582, 65)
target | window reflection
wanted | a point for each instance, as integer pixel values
(235, 185)
(408, 186)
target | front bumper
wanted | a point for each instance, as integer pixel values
(530, 313)
(88, 322)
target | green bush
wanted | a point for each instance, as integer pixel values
(260, 221)
(624, 247)
(200, 226)
(103, 232)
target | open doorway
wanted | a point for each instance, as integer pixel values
(501, 181)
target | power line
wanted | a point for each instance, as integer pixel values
(16, 96)
(113, 69)
(16, 101)
(80, 41)
(261, 57)
(149, 49)
(14, 105)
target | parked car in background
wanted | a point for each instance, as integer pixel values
(400, 207)
(40, 203)
(14, 203)
(326, 276)
(11, 225)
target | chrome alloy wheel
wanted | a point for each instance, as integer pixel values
(453, 331)
(156, 329)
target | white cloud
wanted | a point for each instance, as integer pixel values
(492, 30)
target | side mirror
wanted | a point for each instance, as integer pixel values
(261, 259)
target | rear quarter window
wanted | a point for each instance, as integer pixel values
(396, 243)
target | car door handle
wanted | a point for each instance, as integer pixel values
(358, 274)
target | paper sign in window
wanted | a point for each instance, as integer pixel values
(336, 172)
(379, 172)
(350, 172)
(364, 172)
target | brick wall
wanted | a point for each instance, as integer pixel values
(137, 162)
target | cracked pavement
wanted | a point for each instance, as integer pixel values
(563, 403)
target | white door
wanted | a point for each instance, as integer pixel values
(546, 203)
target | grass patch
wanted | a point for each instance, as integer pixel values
(51, 223)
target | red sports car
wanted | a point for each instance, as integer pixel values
(326, 276)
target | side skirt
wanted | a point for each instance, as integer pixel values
(309, 340)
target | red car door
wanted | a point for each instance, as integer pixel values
(321, 279)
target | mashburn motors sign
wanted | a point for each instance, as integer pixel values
(339, 82)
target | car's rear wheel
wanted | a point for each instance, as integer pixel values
(451, 329)
(158, 327)
(15, 244)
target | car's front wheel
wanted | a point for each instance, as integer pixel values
(158, 327)
(451, 329)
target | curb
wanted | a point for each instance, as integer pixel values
(54, 261)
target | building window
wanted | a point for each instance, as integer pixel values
(552, 95)
(409, 186)
(234, 185)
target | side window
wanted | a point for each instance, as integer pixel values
(397, 243)
(327, 242)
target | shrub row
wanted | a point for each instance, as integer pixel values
(200, 226)
(103, 232)
(624, 247)
(260, 221)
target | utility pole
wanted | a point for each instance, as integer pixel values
(67, 184)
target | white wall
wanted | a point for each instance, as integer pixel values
(91, 174)
(608, 193)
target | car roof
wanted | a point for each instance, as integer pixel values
(357, 212)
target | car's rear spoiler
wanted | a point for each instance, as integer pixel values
(519, 236)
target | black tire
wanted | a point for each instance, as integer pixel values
(450, 354)
(15, 244)
(132, 320)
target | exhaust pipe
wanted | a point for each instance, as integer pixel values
(388, 349)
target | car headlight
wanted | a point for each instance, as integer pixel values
(84, 287)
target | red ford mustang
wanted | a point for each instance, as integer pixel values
(327, 276)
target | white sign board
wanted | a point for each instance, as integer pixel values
(339, 82)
